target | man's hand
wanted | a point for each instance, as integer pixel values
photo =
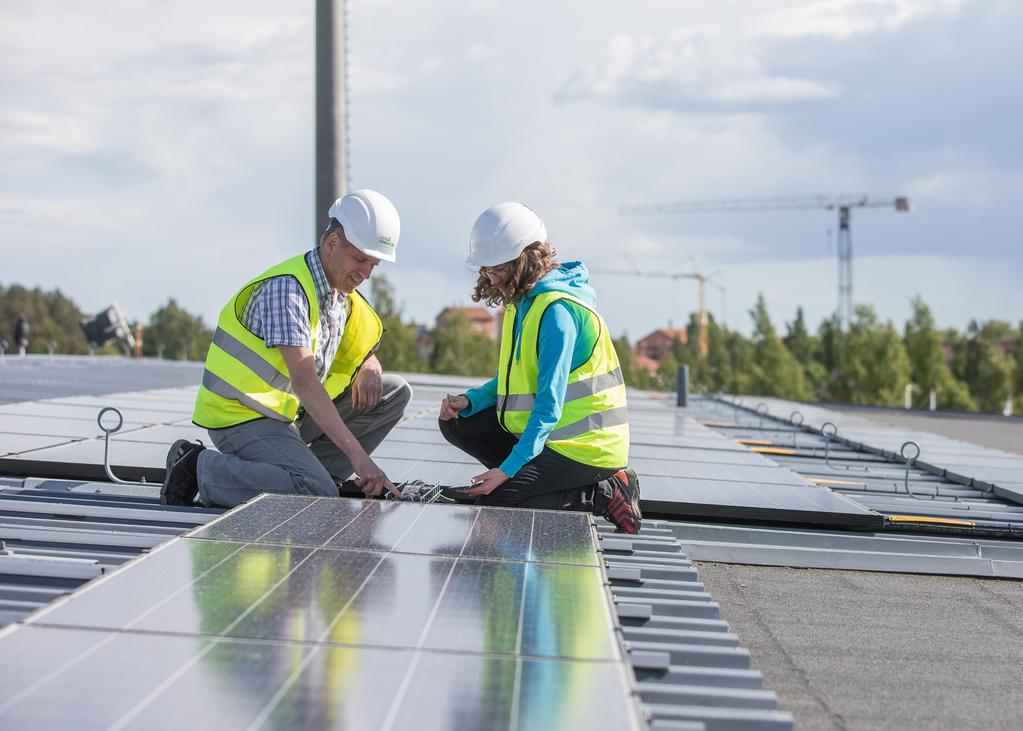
(487, 482)
(451, 405)
(371, 479)
(368, 386)
(321, 409)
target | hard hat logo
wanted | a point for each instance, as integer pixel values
(370, 222)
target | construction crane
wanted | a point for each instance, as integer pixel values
(703, 280)
(842, 203)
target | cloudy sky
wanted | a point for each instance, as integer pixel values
(156, 149)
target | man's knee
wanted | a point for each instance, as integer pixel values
(312, 479)
(397, 390)
(314, 485)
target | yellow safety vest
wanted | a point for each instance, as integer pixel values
(594, 424)
(245, 380)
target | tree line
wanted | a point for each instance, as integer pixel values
(869, 362)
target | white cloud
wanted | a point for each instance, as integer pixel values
(729, 62)
(842, 19)
(688, 67)
(971, 187)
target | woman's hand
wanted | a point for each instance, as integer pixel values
(487, 482)
(450, 406)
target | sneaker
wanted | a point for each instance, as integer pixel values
(180, 483)
(623, 509)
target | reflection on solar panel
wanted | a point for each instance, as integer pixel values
(300, 612)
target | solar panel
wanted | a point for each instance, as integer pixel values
(467, 530)
(139, 415)
(396, 615)
(677, 497)
(772, 475)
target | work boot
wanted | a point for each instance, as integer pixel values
(180, 483)
(623, 508)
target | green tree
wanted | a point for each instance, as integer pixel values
(459, 351)
(927, 363)
(176, 334)
(986, 369)
(52, 318)
(398, 349)
(798, 339)
(806, 349)
(716, 369)
(775, 371)
(872, 365)
(635, 376)
(1018, 382)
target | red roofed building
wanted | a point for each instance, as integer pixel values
(641, 361)
(658, 343)
(480, 319)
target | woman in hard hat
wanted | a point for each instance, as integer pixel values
(552, 426)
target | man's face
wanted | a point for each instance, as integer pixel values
(346, 266)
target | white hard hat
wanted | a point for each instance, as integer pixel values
(370, 222)
(502, 232)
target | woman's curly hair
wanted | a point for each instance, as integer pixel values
(535, 260)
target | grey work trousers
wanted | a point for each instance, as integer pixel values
(266, 455)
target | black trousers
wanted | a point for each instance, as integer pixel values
(549, 481)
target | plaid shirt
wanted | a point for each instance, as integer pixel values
(278, 312)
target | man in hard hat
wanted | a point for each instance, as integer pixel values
(552, 427)
(292, 394)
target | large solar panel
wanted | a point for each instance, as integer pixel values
(301, 612)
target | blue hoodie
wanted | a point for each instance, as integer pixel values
(564, 345)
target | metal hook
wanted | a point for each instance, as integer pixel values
(106, 446)
(828, 435)
(796, 423)
(736, 403)
(909, 463)
(761, 412)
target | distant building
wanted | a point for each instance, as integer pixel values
(1008, 348)
(659, 343)
(641, 361)
(480, 319)
(424, 343)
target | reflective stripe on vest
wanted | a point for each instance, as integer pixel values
(599, 420)
(219, 386)
(587, 387)
(232, 346)
(593, 428)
